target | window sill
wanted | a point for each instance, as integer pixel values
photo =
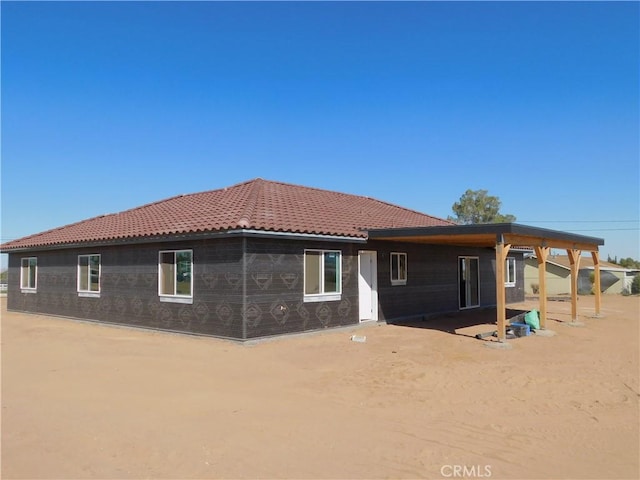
(89, 294)
(169, 299)
(398, 282)
(28, 290)
(333, 297)
(509, 285)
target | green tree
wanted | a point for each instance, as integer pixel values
(477, 206)
(629, 263)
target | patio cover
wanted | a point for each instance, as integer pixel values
(503, 236)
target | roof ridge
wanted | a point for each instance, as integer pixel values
(252, 200)
(34, 235)
(192, 194)
(139, 207)
(221, 189)
(251, 207)
(406, 209)
(86, 220)
(352, 195)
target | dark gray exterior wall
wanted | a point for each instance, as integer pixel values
(129, 287)
(516, 293)
(269, 276)
(248, 287)
(432, 279)
(275, 284)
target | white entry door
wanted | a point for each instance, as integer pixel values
(368, 285)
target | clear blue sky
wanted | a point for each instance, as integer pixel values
(107, 106)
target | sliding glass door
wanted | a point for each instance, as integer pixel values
(469, 281)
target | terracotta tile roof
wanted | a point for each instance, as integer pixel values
(256, 204)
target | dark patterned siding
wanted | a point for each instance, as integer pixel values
(516, 293)
(275, 282)
(248, 288)
(129, 288)
(432, 279)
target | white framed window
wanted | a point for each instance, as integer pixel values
(89, 275)
(175, 276)
(28, 273)
(398, 268)
(322, 275)
(510, 272)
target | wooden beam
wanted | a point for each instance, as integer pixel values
(523, 240)
(574, 260)
(501, 314)
(488, 240)
(485, 240)
(596, 280)
(542, 253)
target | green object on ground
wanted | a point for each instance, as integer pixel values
(531, 318)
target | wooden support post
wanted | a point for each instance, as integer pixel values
(542, 253)
(574, 260)
(596, 280)
(501, 257)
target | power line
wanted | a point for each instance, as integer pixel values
(606, 230)
(580, 221)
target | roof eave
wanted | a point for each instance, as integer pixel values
(489, 234)
(240, 232)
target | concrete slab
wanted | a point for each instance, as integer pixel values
(574, 324)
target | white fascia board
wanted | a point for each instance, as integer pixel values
(291, 235)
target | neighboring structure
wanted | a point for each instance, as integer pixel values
(264, 258)
(614, 279)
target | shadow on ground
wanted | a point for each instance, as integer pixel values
(466, 323)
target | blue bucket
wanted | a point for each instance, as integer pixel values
(520, 329)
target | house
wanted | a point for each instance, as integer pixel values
(614, 279)
(264, 258)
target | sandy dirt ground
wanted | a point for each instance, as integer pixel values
(84, 400)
